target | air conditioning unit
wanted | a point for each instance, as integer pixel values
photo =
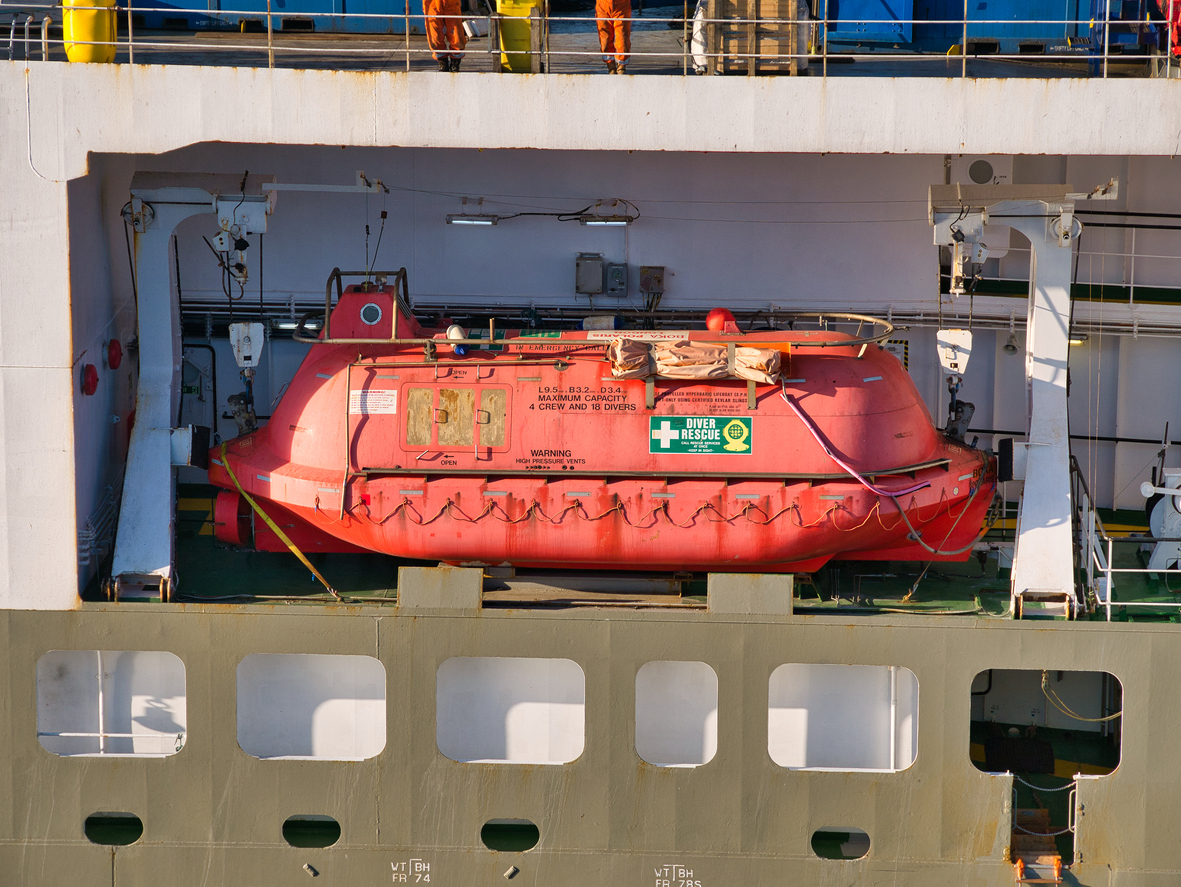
(982, 169)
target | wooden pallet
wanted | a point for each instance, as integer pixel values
(762, 32)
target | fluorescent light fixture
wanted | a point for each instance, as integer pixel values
(472, 219)
(613, 221)
(294, 324)
(1078, 339)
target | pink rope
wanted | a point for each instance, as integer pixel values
(877, 491)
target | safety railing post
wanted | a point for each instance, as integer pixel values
(407, 33)
(1107, 578)
(497, 57)
(1088, 529)
(685, 41)
(492, 41)
(270, 38)
(964, 44)
(534, 40)
(45, 23)
(130, 37)
(824, 44)
(1169, 43)
(28, 41)
(1106, 32)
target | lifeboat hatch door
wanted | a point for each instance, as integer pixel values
(456, 418)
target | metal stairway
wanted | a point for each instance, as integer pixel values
(1032, 849)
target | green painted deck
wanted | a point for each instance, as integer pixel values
(208, 571)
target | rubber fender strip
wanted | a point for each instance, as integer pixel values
(274, 527)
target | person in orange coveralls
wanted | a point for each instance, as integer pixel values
(444, 32)
(1172, 13)
(614, 18)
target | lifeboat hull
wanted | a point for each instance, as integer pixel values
(531, 453)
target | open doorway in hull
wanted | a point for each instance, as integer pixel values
(1047, 728)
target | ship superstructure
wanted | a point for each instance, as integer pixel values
(354, 704)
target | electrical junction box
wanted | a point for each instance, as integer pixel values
(588, 274)
(652, 278)
(617, 280)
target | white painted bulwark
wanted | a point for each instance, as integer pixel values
(842, 717)
(311, 706)
(111, 703)
(676, 713)
(119, 108)
(510, 710)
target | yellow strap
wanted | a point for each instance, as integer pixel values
(275, 527)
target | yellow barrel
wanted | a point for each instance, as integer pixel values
(89, 33)
(514, 35)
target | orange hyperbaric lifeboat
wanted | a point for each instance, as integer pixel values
(666, 450)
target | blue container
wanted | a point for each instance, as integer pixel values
(324, 16)
(1007, 27)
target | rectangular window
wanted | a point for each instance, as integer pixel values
(111, 702)
(843, 717)
(311, 706)
(505, 710)
(676, 713)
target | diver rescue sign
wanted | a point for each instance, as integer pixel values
(709, 435)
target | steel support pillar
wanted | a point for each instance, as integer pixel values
(1043, 560)
(144, 541)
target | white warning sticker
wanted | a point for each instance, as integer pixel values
(373, 403)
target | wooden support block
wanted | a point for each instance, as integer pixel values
(534, 40)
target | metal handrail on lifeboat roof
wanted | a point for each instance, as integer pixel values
(823, 317)
(301, 333)
(324, 337)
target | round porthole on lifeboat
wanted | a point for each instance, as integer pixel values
(370, 313)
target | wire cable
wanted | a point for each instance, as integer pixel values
(1062, 706)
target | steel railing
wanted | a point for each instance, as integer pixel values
(706, 43)
(1095, 557)
(1102, 554)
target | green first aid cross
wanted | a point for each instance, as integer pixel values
(720, 435)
